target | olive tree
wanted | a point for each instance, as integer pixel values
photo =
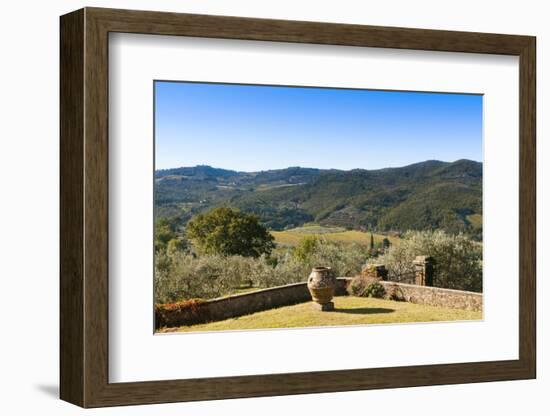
(458, 259)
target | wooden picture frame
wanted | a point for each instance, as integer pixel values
(84, 207)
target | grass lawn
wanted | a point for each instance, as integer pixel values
(294, 236)
(350, 310)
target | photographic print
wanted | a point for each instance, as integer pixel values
(366, 197)
(293, 207)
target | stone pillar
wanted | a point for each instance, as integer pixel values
(376, 271)
(424, 270)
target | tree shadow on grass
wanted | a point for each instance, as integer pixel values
(364, 311)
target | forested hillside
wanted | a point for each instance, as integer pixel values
(426, 195)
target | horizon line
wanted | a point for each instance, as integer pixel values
(328, 169)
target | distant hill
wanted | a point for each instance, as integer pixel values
(426, 195)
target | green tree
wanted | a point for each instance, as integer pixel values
(228, 232)
(175, 245)
(306, 248)
(164, 232)
(167, 238)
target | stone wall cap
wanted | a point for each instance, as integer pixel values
(431, 288)
(423, 259)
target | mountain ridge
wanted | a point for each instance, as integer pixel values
(165, 171)
(429, 194)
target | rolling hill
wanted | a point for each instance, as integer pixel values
(425, 195)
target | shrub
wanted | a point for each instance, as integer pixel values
(365, 286)
(176, 244)
(375, 290)
(394, 292)
(458, 259)
(181, 275)
(184, 276)
(192, 311)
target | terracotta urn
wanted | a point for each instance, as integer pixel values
(321, 284)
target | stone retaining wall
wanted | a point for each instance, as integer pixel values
(242, 304)
(434, 296)
(259, 300)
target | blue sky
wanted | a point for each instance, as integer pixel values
(252, 128)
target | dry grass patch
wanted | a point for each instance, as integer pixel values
(350, 310)
(336, 234)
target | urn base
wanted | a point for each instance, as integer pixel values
(323, 307)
